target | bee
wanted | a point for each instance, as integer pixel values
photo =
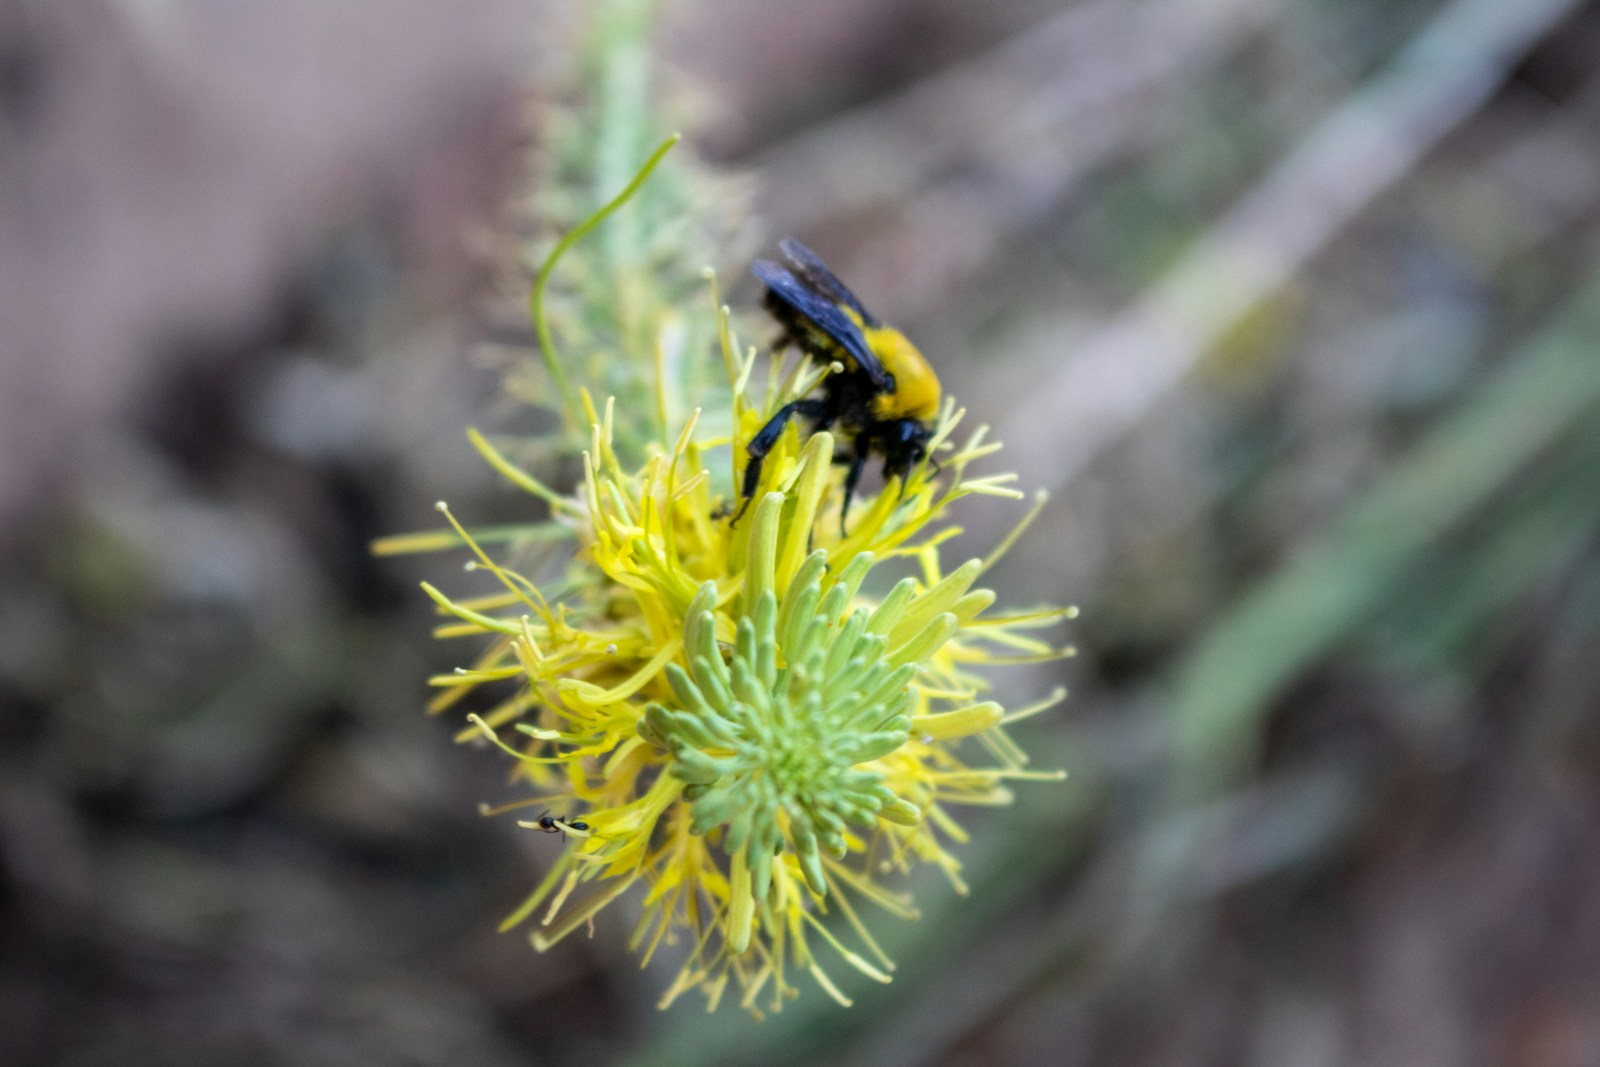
(549, 824)
(885, 399)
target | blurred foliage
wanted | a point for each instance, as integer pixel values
(1333, 741)
(638, 285)
(1371, 556)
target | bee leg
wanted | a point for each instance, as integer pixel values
(897, 467)
(852, 478)
(740, 513)
(767, 436)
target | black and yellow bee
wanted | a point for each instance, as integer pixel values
(885, 399)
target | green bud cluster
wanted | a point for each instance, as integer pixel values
(775, 742)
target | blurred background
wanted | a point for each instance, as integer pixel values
(1292, 306)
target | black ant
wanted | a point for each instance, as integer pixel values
(549, 824)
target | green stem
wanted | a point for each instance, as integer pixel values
(569, 400)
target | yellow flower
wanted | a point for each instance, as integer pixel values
(746, 732)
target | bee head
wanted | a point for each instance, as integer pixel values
(914, 437)
(905, 444)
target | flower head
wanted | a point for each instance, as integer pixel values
(752, 729)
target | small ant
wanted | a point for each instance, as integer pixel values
(549, 824)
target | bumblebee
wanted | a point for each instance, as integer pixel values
(885, 399)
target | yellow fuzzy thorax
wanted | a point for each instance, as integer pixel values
(916, 388)
(916, 392)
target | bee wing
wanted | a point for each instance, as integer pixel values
(808, 266)
(826, 315)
